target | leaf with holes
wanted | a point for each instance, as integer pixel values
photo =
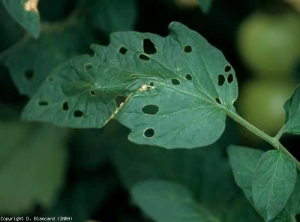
(292, 109)
(167, 201)
(178, 89)
(243, 161)
(33, 60)
(205, 5)
(273, 183)
(112, 15)
(25, 12)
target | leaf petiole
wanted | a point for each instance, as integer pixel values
(274, 141)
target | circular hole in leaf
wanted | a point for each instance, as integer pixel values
(43, 103)
(28, 74)
(119, 100)
(144, 57)
(78, 113)
(151, 84)
(88, 66)
(175, 82)
(230, 78)
(92, 92)
(227, 68)
(149, 47)
(149, 133)
(188, 49)
(150, 109)
(50, 79)
(221, 80)
(188, 76)
(123, 50)
(65, 106)
(133, 76)
(218, 100)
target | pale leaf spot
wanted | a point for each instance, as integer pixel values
(31, 5)
(143, 88)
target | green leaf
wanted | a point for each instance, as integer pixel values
(168, 202)
(113, 15)
(243, 162)
(293, 204)
(10, 30)
(284, 216)
(33, 164)
(241, 210)
(292, 109)
(273, 183)
(33, 60)
(25, 12)
(180, 93)
(205, 5)
(212, 186)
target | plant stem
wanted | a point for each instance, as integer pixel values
(252, 128)
(279, 134)
(274, 141)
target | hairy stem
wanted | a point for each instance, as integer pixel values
(274, 141)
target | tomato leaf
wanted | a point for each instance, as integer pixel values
(167, 201)
(178, 89)
(205, 5)
(284, 216)
(112, 15)
(292, 109)
(193, 168)
(273, 183)
(25, 12)
(33, 60)
(293, 204)
(10, 30)
(243, 162)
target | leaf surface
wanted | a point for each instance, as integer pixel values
(293, 204)
(243, 162)
(193, 168)
(33, 60)
(273, 183)
(175, 97)
(25, 12)
(10, 30)
(205, 5)
(292, 109)
(167, 201)
(284, 216)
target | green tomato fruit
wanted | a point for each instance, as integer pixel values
(261, 103)
(270, 44)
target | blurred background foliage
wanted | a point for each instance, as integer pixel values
(47, 170)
